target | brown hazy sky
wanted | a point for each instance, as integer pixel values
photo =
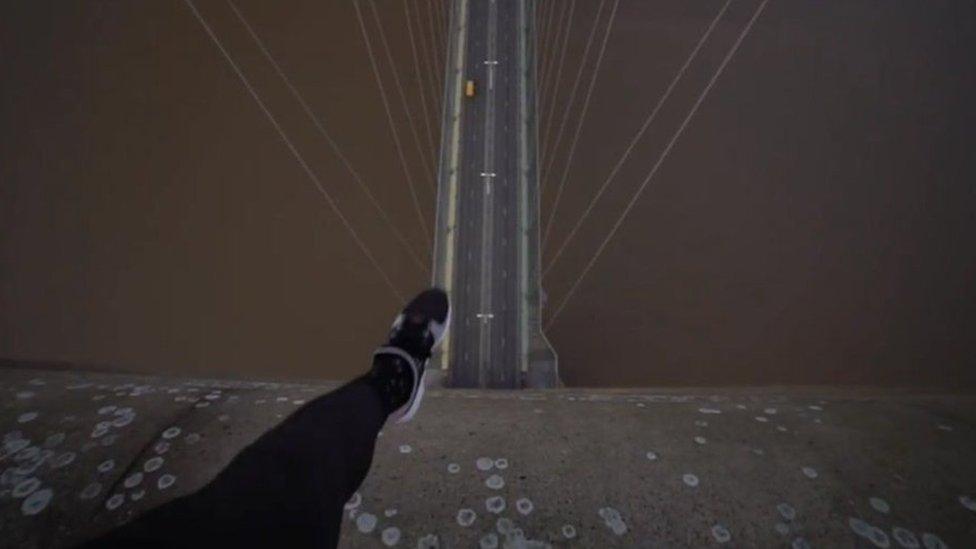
(812, 225)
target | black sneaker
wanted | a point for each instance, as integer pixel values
(416, 331)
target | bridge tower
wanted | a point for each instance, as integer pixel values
(486, 252)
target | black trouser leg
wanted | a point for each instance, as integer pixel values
(287, 488)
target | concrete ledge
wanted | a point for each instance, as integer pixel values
(591, 468)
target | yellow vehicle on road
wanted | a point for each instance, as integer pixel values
(469, 90)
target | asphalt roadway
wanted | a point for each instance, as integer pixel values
(486, 330)
(814, 467)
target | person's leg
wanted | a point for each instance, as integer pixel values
(290, 485)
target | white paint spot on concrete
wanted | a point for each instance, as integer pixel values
(405, 449)
(488, 541)
(165, 481)
(114, 502)
(690, 479)
(770, 411)
(465, 517)
(641, 405)
(740, 406)
(968, 502)
(153, 464)
(782, 528)
(16, 446)
(91, 491)
(495, 482)
(810, 472)
(106, 410)
(36, 502)
(710, 410)
(24, 395)
(651, 456)
(430, 541)
(505, 526)
(932, 541)
(569, 531)
(501, 463)
(815, 408)
(905, 538)
(859, 527)
(26, 487)
(701, 423)
(524, 506)
(29, 453)
(202, 404)
(495, 504)
(390, 536)
(879, 538)
(786, 511)
(365, 523)
(27, 417)
(781, 429)
(453, 468)
(700, 440)
(133, 480)
(762, 419)
(106, 466)
(945, 427)
(800, 543)
(880, 505)
(54, 440)
(63, 460)
(721, 533)
(354, 501)
(138, 494)
(390, 513)
(484, 463)
(172, 433)
(611, 517)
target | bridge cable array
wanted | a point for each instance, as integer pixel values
(393, 131)
(298, 156)
(328, 138)
(547, 153)
(579, 122)
(633, 142)
(436, 22)
(664, 153)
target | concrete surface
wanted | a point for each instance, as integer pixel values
(636, 468)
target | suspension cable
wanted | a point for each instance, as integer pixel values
(569, 102)
(298, 156)
(633, 142)
(660, 160)
(389, 118)
(579, 123)
(328, 138)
